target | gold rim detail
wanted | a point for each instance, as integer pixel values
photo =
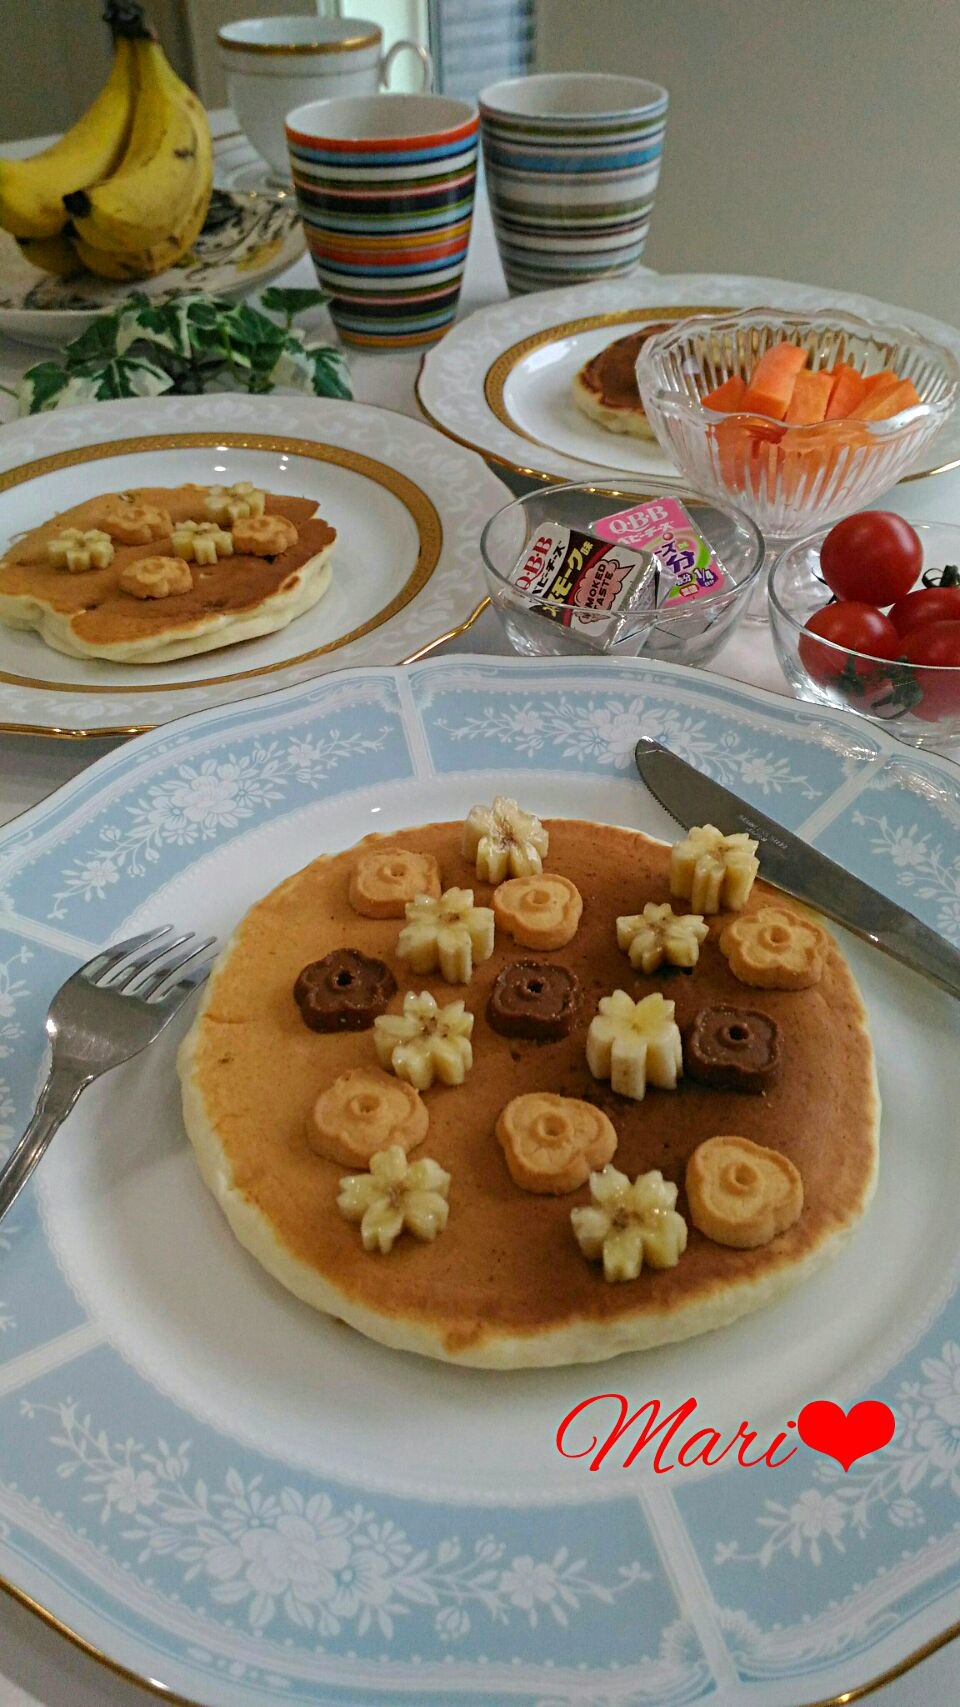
(347, 44)
(414, 499)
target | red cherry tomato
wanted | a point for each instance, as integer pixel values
(873, 557)
(859, 627)
(926, 605)
(938, 644)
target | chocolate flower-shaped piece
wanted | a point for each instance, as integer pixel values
(450, 933)
(635, 1044)
(396, 1194)
(742, 1194)
(425, 1042)
(504, 841)
(533, 998)
(344, 991)
(733, 1049)
(773, 949)
(551, 1143)
(713, 871)
(659, 934)
(630, 1223)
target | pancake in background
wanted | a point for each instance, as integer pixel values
(605, 388)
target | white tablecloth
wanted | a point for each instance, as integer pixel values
(38, 1668)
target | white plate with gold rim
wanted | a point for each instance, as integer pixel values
(407, 504)
(500, 381)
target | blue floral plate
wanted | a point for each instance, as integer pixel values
(246, 1503)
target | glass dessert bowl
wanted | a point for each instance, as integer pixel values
(918, 702)
(659, 623)
(791, 477)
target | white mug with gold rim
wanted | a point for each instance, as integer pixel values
(276, 64)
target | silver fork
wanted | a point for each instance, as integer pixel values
(106, 1012)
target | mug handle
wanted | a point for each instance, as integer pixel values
(426, 63)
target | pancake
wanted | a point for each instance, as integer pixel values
(505, 1285)
(88, 615)
(605, 388)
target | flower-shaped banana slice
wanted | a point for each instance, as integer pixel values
(264, 536)
(539, 912)
(201, 542)
(364, 1111)
(552, 1143)
(630, 1223)
(77, 549)
(635, 1044)
(396, 1194)
(130, 523)
(425, 1042)
(155, 577)
(742, 1194)
(659, 934)
(504, 841)
(773, 949)
(385, 879)
(450, 933)
(713, 871)
(233, 503)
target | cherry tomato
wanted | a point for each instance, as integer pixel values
(873, 557)
(926, 605)
(936, 644)
(861, 628)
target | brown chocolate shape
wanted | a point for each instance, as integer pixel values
(345, 991)
(532, 998)
(733, 1049)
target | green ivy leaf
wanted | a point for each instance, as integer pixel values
(288, 301)
(330, 374)
(41, 387)
(97, 342)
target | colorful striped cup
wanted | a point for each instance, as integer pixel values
(385, 186)
(572, 162)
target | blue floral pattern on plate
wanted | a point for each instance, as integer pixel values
(238, 1579)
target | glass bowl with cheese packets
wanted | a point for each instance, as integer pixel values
(662, 574)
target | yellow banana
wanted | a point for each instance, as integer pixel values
(55, 255)
(32, 190)
(144, 263)
(165, 174)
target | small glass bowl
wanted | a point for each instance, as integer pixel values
(686, 634)
(790, 479)
(918, 702)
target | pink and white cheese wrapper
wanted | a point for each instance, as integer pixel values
(688, 567)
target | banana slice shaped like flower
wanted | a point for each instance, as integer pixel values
(394, 1195)
(504, 841)
(425, 1042)
(78, 549)
(659, 934)
(450, 933)
(230, 503)
(712, 871)
(201, 542)
(635, 1044)
(628, 1223)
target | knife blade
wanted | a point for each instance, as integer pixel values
(798, 869)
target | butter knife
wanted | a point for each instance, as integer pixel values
(798, 869)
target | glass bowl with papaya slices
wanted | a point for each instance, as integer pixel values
(866, 616)
(799, 418)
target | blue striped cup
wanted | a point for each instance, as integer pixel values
(385, 187)
(571, 162)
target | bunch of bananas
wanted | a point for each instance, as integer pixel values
(125, 192)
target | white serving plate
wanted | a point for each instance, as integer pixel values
(245, 1502)
(407, 504)
(500, 380)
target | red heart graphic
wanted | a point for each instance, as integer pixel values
(846, 1436)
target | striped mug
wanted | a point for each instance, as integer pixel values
(385, 187)
(571, 162)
